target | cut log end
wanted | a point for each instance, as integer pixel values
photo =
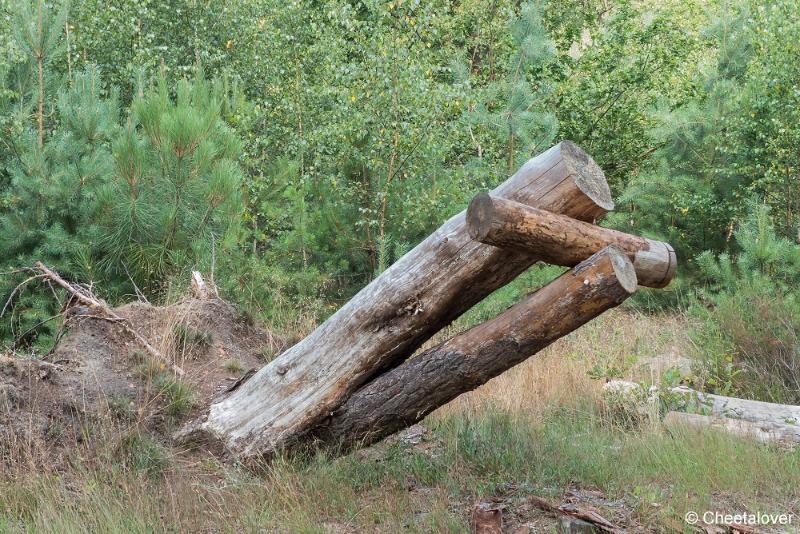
(480, 214)
(623, 268)
(588, 175)
(561, 240)
(656, 265)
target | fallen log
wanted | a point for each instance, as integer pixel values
(759, 412)
(762, 431)
(388, 320)
(763, 421)
(409, 392)
(560, 240)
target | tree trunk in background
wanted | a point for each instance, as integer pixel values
(563, 241)
(396, 313)
(409, 392)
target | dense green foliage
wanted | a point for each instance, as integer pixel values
(299, 148)
(750, 314)
(735, 139)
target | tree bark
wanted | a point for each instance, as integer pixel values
(561, 240)
(409, 392)
(394, 315)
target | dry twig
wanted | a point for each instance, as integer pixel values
(85, 297)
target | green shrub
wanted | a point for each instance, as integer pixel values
(233, 366)
(189, 339)
(748, 316)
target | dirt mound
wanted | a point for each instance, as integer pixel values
(98, 371)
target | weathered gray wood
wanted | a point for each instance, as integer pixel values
(763, 421)
(745, 409)
(409, 392)
(763, 432)
(389, 319)
(561, 240)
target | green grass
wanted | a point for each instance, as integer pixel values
(540, 429)
(189, 339)
(176, 396)
(659, 474)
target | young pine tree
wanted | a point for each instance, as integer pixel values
(47, 209)
(38, 30)
(509, 108)
(176, 186)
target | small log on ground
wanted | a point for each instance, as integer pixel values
(763, 432)
(745, 409)
(763, 421)
(409, 392)
(560, 240)
(388, 320)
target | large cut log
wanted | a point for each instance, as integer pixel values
(389, 319)
(409, 392)
(560, 240)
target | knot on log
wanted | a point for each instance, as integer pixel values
(413, 306)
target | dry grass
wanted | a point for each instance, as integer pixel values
(538, 429)
(620, 343)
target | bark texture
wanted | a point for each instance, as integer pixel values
(389, 319)
(409, 392)
(560, 240)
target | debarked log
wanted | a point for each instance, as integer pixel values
(409, 392)
(758, 412)
(388, 320)
(561, 240)
(763, 431)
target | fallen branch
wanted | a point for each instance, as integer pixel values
(588, 514)
(106, 313)
(17, 289)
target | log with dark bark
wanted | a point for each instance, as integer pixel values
(409, 392)
(394, 315)
(560, 240)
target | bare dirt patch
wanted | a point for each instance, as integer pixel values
(99, 370)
